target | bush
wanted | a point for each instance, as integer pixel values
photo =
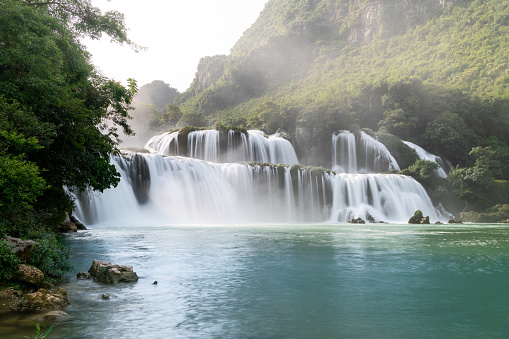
(8, 263)
(424, 172)
(52, 257)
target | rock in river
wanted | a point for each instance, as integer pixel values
(108, 273)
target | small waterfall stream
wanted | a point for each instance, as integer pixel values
(360, 154)
(425, 155)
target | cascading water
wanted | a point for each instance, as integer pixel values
(344, 152)
(424, 155)
(180, 191)
(214, 146)
(360, 154)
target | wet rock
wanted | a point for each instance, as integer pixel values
(454, 221)
(49, 317)
(108, 273)
(41, 301)
(30, 275)
(21, 248)
(78, 224)
(9, 294)
(106, 296)
(67, 227)
(416, 218)
(425, 220)
(154, 283)
(357, 221)
(82, 275)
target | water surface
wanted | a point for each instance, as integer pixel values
(294, 281)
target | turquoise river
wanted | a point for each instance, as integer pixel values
(291, 281)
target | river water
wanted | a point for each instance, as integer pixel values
(293, 281)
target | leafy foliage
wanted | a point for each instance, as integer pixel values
(59, 119)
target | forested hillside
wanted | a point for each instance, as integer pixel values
(431, 72)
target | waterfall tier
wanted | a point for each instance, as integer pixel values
(156, 190)
(230, 147)
(360, 154)
(424, 155)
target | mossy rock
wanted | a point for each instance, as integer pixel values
(416, 218)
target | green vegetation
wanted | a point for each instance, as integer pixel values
(59, 120)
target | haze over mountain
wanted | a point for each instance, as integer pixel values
(431, 72)
(391, 64)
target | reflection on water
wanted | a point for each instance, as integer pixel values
(298, 281)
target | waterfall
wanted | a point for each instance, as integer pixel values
(424, 155)
(361, 154)
(344, 152)
(230, 147)
(168, 190)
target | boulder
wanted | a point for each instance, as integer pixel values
(41, 301)
(9, 294)
(82, 275)
(108, 273)
(30, 275)
(49, 317)
(454, 221)
(78, 224)
(417, 217)
(425, 220)
(21, 248)
(67, 227)
(357, 221)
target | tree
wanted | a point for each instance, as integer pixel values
(59, 118)
(191, 119)
(448, 135)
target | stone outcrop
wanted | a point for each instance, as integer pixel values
(30, 275)
(82, 275)
(21, 248)
(108, 273)
(49, 317)
(357, 221)
(77, 223)
(418, 218)
(41, 301)
(67, 227)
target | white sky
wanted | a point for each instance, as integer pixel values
(177, 33)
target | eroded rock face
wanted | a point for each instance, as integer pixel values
(21, 248)
(30, 275)
(41, 301)
(82, 275)
(67, 227)
(108, 273)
